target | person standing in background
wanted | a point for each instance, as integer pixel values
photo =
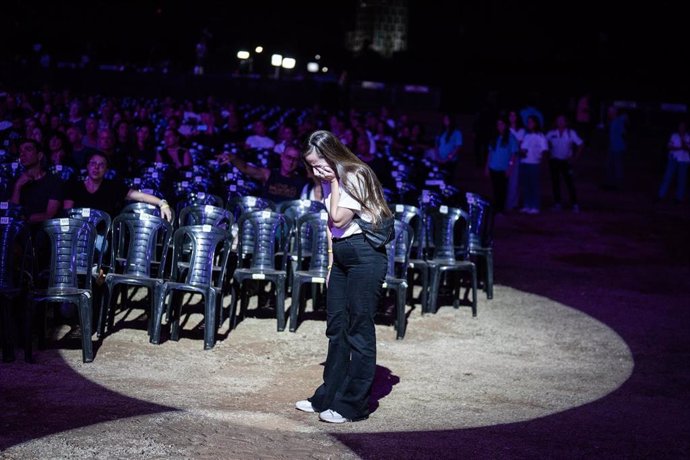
(678, 161)
(565, 146)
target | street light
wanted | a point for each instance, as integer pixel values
(259, 49)
(276, 61)
(312, 67)
(242, 54)
(288, 63)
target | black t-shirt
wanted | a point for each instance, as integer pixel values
(34, 195)
(279, 188)
(109, 197)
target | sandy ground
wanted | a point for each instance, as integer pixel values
(582, 353)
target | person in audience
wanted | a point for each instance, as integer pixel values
(60, 150)
(282, 184)
(90, 139)
(678, 161)
(144, 150)
(80, 152)
(502, 156)
(617, 130)
(355, 278)
(533, 148)
(286, 136)
(516, 129)
(173, 153)
(108, 195)
(260, 138)
(39, 193)
(449, 142)
(565, 146)
(380, 167)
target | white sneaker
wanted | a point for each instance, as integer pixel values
(332, 416)
(304, 406)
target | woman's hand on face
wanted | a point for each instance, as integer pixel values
(324, 173)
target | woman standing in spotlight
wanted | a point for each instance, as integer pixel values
(356, 274)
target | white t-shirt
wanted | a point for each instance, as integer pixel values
(259, 142)
(346, 201)
(562, 143)
(534, 144)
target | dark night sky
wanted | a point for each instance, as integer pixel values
(615, 39)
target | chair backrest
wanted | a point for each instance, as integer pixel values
(239, 206)
(244, 204)
(416, 218)
(15, 240)
(65, 235)
(481, 220)
(312, 240)
(263, 226)
(398, 250)
(144, 208)
(200, 198)
(208, 245)
(101, 221)
(450, 241)
(201, 214)
(297, 208)
(141, 232)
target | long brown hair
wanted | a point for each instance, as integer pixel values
(356, 177)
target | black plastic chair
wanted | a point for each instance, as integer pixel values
(209, 246)
(134, 238)
(481, 237)
(315, 249)
(451, 253)
(15, 277)
(66, 235)
(264, 226)
(239, 206)
(398, 251)
(412, 215)
(101, 221)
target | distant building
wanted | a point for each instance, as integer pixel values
(383, 24)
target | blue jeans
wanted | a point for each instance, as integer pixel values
(529, 182)
(354, 290)
(674, 167)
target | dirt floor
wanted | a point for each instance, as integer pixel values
(582, 353)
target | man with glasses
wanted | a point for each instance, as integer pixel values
(280, 184)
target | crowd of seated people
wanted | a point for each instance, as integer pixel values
(156, 145)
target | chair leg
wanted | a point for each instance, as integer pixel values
(280, 303)
(105, 307)
(474, 290)
(176, 312)
(295, 303)
(85, 306)
(489, 274)
(435, 275)
(210, 320)
(424, 298)
(400, 297)
(232, 314)
(157, 316)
